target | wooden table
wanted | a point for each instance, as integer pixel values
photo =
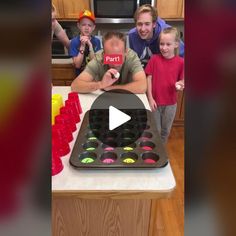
(106, 202)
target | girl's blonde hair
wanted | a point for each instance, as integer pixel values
(175, 32)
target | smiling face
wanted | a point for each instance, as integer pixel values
(86, 26)
(145, 26)
(168, 44)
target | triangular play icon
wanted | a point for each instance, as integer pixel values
(116, 118)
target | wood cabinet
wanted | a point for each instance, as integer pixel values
(63, 74)
(106, 213)
(101, 217)
(179, 116)
(171, 9)
(70, 9)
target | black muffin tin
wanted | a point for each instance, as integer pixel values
(145, 151)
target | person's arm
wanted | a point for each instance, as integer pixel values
(91, 51)
(61, 35)
(97, 47)
(138, 85)
(84, 83)
(149, 87)
(78, 60)
(151, 100)
(78, 52)
(179, 85)
(149, 70)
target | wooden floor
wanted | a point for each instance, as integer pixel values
(171, 211)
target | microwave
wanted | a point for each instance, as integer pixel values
(117, 11)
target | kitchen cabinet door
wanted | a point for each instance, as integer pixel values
(182, 10)
(63, 74)
(179, 116)
(59, 8)
(70, 9)
(171, 9)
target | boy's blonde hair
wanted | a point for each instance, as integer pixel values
(144, 9)
(175, 32)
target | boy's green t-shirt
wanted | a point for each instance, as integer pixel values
(131, 66)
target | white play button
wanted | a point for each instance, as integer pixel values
(116, 118)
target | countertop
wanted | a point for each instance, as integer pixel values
(62, 61)
(71, 179)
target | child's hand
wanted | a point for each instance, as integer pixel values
(152, 104)
(179, 85)
(84, 40)
(89, 43)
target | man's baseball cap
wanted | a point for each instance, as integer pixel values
(88, 14)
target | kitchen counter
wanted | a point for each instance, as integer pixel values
(80, 197)
(62, 61)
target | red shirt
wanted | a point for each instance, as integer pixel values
(165, 73)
